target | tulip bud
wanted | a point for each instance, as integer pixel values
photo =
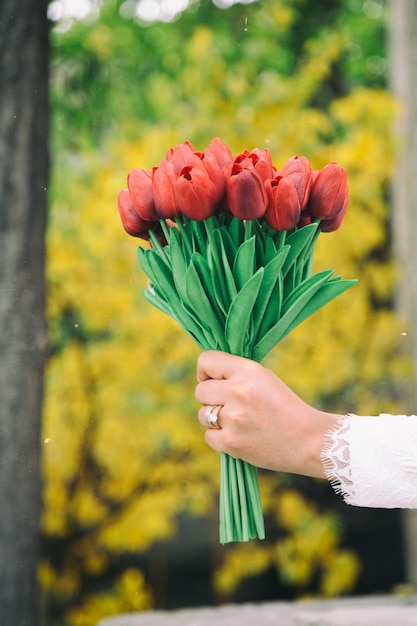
(166, 177)
(139, 182)
(283, 212)
(180, 155)
(163, 181)
(262, 162)
(328, 192)
(215, 158)
(195, 194)
(131, 220)
(333, 223)
(246, 195)
(220, 152)
(298, 171)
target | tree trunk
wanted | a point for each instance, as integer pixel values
(403, 55)
(23, 183)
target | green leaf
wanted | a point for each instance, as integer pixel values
(267, 308)
(326, 293)
(186, 321)
(198, 301)
(179, 266)
(244, 265)
(298, 301)
(199, 237)
(300, 242)
(228, 245)
(237, 231)
(206, 279)
(144, 261)
(272, 311)
(183, 234)
(215, 254)
(159, 303)
(238, 319)
(223, 269)
(305, 289)
(157, 247)
(270, 250)
(161, 274)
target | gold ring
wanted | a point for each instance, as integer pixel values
(212, 416)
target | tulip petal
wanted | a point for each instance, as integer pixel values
(131, 220)
(283, 212)
(298, 171)
(328, 192)
(163, 192)
(246, 194)
(139, 182)
(195, 195)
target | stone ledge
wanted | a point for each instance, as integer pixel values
(363, 611)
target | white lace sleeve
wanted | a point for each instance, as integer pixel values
(372, 461)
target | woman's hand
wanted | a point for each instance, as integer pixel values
(262, 421)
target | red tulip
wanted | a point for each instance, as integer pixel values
(219, 151)
(131, 220)
(298, 171)
(328, 192)
(215, 158)
(333, 223)
(181, 180)
(195, 194)
(262, 162)
(139, 182)
(283, 212)
(163, 179)
(246, 195)
(180, 154)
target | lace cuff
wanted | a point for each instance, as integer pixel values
(372, 461)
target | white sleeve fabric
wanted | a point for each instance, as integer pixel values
(372, 461)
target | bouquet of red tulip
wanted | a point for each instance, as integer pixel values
(230, 259)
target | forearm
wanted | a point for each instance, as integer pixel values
(372, 461)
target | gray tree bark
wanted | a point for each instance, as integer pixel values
(403, 76)
(23, 183)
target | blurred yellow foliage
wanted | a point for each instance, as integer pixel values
(123, 453)
(130, 593)
(309, 549)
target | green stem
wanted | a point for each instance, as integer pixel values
(234, 492)
(251, 474)
(165, 229)
(280, 239)
(183, 227)
(243, 509)
(248, 229)
(225, 526)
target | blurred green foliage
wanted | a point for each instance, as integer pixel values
(123, 452)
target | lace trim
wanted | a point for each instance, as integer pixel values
(336, 459)
(404, 445)
(372, 461)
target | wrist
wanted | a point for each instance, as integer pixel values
(319, 424)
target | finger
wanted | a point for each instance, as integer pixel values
(211, 391)
(215, 439)
(217, 364)
(203, 415)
